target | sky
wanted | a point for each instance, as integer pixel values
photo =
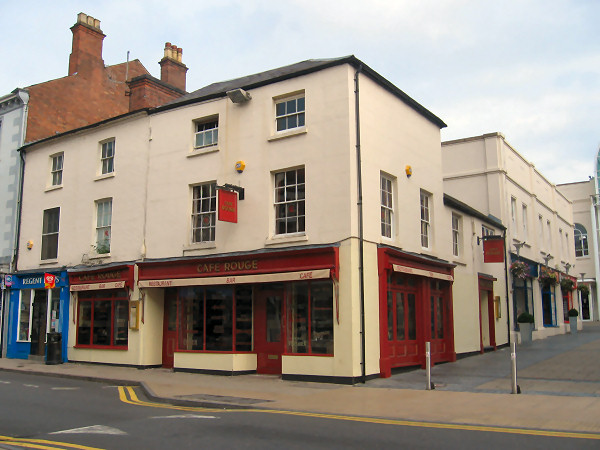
(529, 69)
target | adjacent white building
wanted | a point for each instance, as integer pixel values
(491, 176)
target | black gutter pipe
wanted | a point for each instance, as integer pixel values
(361, 239)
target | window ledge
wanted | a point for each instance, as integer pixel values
(203, 151)
(53, 188)
(286, 238)
(99, 255)
(46, 262)
(104, 176)
(288, 133)
(196, 248)
(459, 262)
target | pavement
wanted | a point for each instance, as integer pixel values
(559, 378)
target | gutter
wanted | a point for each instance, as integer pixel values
(361, 239)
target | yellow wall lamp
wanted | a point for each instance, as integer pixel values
(408, 170)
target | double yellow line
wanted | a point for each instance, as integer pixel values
(41, 444)
(127, 395)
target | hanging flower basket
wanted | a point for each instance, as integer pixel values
(584, 289)
(519, 269)
(548, 277)
(567, 285)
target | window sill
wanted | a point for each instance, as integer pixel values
(459, 262)
(49, 261)
(99, 255)
(286, 239)
(203, 151)
(288, 133)
(104, 176)
(197, 248)
(53, 188)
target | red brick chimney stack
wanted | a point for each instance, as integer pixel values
(86, 56)
(172, 70)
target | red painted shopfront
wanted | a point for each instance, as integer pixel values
(102, 307)
(415, 307)
(267, 303)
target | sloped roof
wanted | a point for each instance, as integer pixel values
(248, 82)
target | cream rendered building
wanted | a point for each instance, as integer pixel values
(288, 222)
(491, 176)
(583, 194)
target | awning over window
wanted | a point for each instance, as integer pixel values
(240, 279)
(423, 273)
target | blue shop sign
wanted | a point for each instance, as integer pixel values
(36, 281)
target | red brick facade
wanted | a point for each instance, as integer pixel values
(92, 92)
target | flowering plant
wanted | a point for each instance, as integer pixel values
(583, 288)
(548, 277)
(519, 269)
(567, 285)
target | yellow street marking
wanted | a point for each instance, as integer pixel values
(126, 391)
(38, 443)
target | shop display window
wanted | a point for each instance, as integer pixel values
(310, 318)
(102, 319)
(24, 315)
(401, 303)
(207, 318)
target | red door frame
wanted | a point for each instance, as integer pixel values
(268, 354)
(486, 284)
(169, 332)
(425, 270)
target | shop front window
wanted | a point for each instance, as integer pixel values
(206, 318)
(522, 296)
(310, 318)
(24, 315)
(102, 319)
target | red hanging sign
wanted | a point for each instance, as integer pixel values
(493, 250)
(227, 206)
(49, 281)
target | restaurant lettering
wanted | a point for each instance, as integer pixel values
(100, 276)
(231, 266)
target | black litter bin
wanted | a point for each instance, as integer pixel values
(54, 348)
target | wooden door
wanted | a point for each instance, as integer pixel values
(269, 340)
(169, 328)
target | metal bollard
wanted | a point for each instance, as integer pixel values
(428, 364)
(513, 362)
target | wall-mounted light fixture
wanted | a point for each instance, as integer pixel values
(518, 245)
(238, 96)
(547, 258)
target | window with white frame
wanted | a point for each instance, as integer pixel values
(581, 240)
(204, 210)
(57, 169)
(387, 207)
(485, 231)
(549, 235)
(513, 213)
(27, 297)
(456, 226)
(207, 133)
(289, 201)
(107, 157)
(561, 243)
(425, 219)
(103, 225)
(525, 219)
(289, 113)
(541, 229)
(50, 226)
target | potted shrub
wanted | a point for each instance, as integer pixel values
(519, 269)
(573, 314)
(525, 321)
